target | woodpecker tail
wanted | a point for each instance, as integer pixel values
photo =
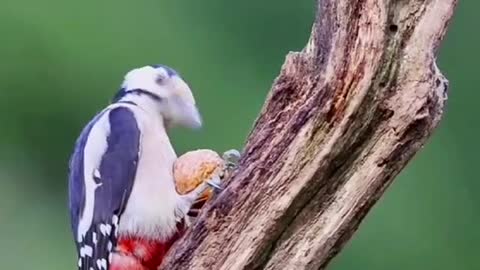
(95, 248)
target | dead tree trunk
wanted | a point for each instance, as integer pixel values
(342, 119)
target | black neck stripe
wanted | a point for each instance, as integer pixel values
(123, 93)
(145, 92)
(128, 102)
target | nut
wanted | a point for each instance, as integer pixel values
(194, 167)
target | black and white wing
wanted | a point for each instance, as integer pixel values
(102, 173)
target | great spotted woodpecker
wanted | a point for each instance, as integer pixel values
(122, 195)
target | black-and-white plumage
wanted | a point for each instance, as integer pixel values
(108, 185)
(120, 180)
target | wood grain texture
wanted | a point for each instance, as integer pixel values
(344, 116)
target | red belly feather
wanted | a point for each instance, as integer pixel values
(134, 253)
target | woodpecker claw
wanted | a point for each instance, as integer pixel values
(231, 158)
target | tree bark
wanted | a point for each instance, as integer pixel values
(344, 116)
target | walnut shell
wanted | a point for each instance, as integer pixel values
(194, 167)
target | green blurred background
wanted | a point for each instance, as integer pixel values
(61, 61)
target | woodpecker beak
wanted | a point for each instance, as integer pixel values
(179, 112)
(185, 114)
(190, 117)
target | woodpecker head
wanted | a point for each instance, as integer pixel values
(165, 89)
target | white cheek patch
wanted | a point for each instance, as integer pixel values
(141, 78)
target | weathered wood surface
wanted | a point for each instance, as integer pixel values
(344, 116)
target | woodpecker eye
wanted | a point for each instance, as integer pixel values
(161, 79)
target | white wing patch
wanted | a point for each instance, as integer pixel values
(106, 229)
(96, 174)
(95, 147)
(115, 225)
(115, 220)
(94, 238)
(86, 251)
(102, 264)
